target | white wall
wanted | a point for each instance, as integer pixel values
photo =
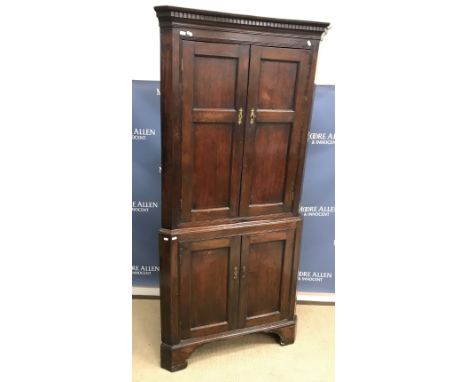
(144, 30)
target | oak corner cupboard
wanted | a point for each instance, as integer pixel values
(236, 98)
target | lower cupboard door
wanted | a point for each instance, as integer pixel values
(266, 265)
(209, 286)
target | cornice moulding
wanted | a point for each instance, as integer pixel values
(169, 15)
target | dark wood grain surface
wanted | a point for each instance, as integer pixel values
(236, 99)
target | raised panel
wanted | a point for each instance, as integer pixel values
(270, 162)
(214, 76)
(277, 84)
(212, 165)
(264, 274)
(214, 86)
(209, 287)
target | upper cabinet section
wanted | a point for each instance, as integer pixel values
(236, 96)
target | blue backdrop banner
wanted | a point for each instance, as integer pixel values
(146, 177)
(317, 264)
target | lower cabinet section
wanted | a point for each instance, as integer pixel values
(219, 284)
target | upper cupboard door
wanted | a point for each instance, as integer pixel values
(214, 87)
(276, 100)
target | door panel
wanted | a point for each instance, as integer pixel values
(208, 289)
(214, 75)
(213, 191)
(276, 94)
(270, 157)
(214, 87)
(210, 310)
(266, 262)
(277, 84)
